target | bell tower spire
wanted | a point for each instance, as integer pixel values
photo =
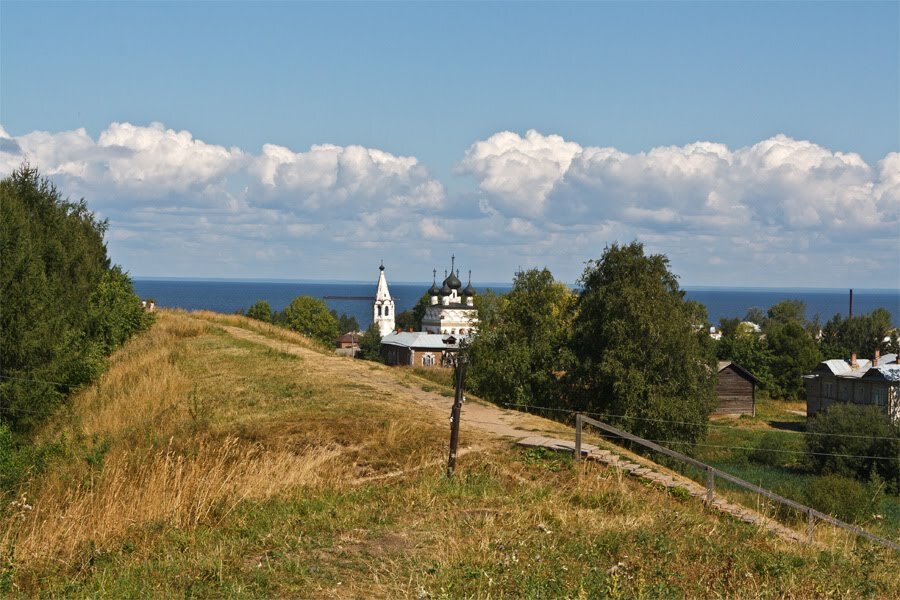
(383, 306)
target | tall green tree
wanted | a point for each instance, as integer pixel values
(370, 344)
(522, 347)
(311, 317)
(793, 354)
(638, 352)
(862, 334)
(62, 305)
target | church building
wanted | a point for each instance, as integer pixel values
(452, 309)
(449, 319)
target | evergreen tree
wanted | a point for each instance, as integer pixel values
(62, 307)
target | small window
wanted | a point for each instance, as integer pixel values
(427, 360)
(828, 392)
(379, 310)
(387, 311)
(879, 397)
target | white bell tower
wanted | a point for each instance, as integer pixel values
(383, 307)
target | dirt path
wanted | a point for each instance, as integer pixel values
(521, 427)
(486, 417)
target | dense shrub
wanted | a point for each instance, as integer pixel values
(772, 449)
(855, 441)
(841, 497)
(261, 311)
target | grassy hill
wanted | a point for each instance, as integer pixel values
(207, 464)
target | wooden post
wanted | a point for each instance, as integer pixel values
(710, 478)
(455, 412)
(809, 525)
(578, 425)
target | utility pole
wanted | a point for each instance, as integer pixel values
(457, 409)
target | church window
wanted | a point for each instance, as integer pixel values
(379, 310)
(387, 311)
(427, 360)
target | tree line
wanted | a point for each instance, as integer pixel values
(781, 345)
(65, 307)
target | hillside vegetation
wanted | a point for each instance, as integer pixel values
(205, 464)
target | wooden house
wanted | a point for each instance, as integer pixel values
(735, 390)
(875, 382)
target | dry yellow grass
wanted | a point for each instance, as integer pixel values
(235, 469)
(171, 488)
(169, 462)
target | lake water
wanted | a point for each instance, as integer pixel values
(230, 296)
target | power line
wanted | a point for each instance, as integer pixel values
(657, 420)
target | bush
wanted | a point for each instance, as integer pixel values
(260, 311)
(855, 441)
(769, 450)
(840, 497)
(311, 317)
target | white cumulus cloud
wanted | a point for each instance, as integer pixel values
(779, 182)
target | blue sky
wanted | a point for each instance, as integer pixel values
(299, 140)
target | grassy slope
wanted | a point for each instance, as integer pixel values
(783, 472)
(204, 465)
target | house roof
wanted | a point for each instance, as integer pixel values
(420, 339)
(889, 372)
(724, 364)
(841, 368)
(350, 337)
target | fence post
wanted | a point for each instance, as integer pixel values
(710, 478)
(578, 425)
(809, 525)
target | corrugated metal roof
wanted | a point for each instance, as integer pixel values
(890, 372)
(419, 339)
(842, 368)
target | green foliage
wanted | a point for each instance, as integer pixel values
(794, 353)
(841, 497)
(64, 307)
(638, 350)
(843, 436)
(115, 311)
(770, 449)
(862, 334)
(311, 317)
(346, 323)
(750, 351)
(370, 344)
(412, 318)
(261, 311)
(521, 347)
(786, 311)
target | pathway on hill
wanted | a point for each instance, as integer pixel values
(518, 426)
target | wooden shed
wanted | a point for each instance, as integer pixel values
(735, 390)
